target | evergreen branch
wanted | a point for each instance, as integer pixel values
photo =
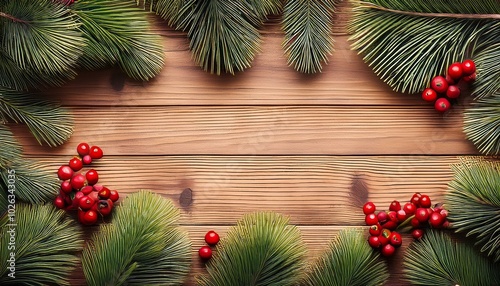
(482, 125)
(349, 260)
(45, 41)
(223, 34)
(48, 122)
(438, 6)
(263, 8)
(488, 82)
(262, 249)
(3, 200)
(33, 184)
(474, 203)
(308, 41)
(12, 18)
(10, 148)
(143, 246)
(437, 260)
(166, 9)
(46, 242)
(119, 33)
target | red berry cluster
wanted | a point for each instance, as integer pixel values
(79, 189)
(443, 90)
(211, 238)
(417, 212)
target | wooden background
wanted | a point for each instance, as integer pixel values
(267, 138)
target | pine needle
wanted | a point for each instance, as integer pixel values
(142, 246)
(262, 249)
(46, 243)
(11, 149)
(3, 199)
(349, 260)
(308, 41)
(482, 124)
(474, 203)
(437, 260)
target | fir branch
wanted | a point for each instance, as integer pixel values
(33, 183)
(10, 148)
(3, 199)
(119, 33)
(48, 122)
(349, 260)
(487, 61)
(263, 8)
(143, 246)
(474, 203)
(223, 34)
(45, 246)
(262, 249)
(44, 42)
(166, 9)
(482, 124)
(307, 26)
(437, 260)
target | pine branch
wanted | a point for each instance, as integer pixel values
(482, 124)
(308, 41)
(407, 49)
(487, 59)
(263, 8)
(437, 260)
(42, 44)
(10, 148)
(48, 122)
(262, 249)
(3, 199)
(474, 203)
(349, 260)
(45, 246)
(143, 246)
(33, 183)
(112, 39)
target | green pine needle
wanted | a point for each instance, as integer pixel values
(482, 124)
(11, 150)
(46, 243)
(406, 51)
(474, 203)
(142, 246)
(349, 260)
(33, 183)
(487, 61)
(119, 33)
(223, 34)
(438, 260)
(3, 199)
(262, 249)
(263, 8)
(48, 122)
(42, 43)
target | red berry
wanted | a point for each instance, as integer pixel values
(65, 172)
(76, 200)
(444, 213)
(417, 233)
(87, 190)
(388, 250)
(436, 220)
(375, 230)
(371, 219)
(59, 202)
(468, 67)
(382, 216)
(369, 208)
(374, 241)
(453, 91)
(113, 195)
(87, 160)
(442, 104)
(66, 187)
(415, 199)
(384, 236)
(86, 202)
(429, 95)
(415, 223)
(95, 152)
(422, 215)
(212, 238)
(425, 201)
(89, 217)
(205, 252)
(82, 149)
(92, 177)
(104, 207)
(450, 80)
(455, 71)
(470, 78)
(446, 224)
(78, 181)
(76, 164)
(395, 239)
(401, 214)
(409, 208)
(104, 193)
(439, 84)
(395, 206)
(392, 225)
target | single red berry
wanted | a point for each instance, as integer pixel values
(371, 219)
(439, 84)
(59, 202)
(75, 203)
(392, 225)
(104, 193)
(76, 164)
(446, 224)
(395, 206)
(422, 215)
(425, 201)
(415, 223)
(374, 241)
(470, 78)
(401, 214)
(415, 199)
(89, 217)
(82, 149)
(87, 190)
(442, 104)
(86, 202)
(388, 250)
(382, 216)
(444, 213)
(393, 216)
(468, 67)
(95, 152)
(87, 160)
(429, 95)
(375, 230)
(455, 71)
(384, 236)
(436, 220)
(113, 195)
(205, 252)
(453, 91)
(409, 208)
(395, 239)
(104, 207)
(92, 177)
(66, 187)
(417, 233)
(78, 181)
(94, 195)
(369, 208)
(212, 238)
(65, 172)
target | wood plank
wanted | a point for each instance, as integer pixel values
(312, 190)
(257, 130)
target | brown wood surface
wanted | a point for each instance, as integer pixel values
(267, 138)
